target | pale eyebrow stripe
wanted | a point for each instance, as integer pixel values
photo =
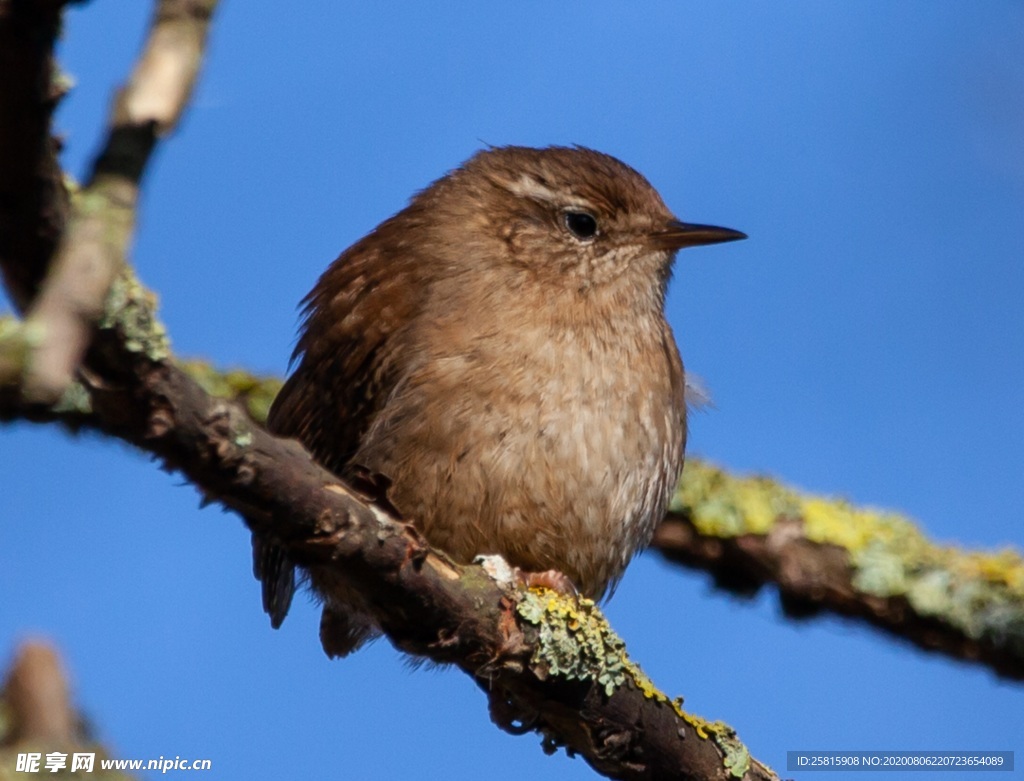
(528, 187)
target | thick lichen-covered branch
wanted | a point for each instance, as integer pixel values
(547, 662)
(824, 554)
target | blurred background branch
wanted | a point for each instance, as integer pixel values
(37, 715)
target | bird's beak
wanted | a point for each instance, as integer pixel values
(677, 235)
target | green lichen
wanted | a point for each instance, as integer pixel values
(255, 392)
(736, 756)
(131, 309)
(575, 641)
(879, 571)
(722, 506)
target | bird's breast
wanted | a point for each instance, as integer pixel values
(555, 447)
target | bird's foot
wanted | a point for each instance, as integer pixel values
(507, 575)
(550, 579)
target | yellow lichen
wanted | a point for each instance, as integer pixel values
(828, 521)
(700, 726)
(720, 505)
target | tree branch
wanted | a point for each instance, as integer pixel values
(873, 565)
(547, 663)
(33, 200)
(62, 317)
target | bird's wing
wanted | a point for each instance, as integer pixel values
(348, 345)
(346, 352)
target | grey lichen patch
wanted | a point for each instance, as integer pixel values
(131, 309)
(879, 571)
(982, 594)
(241, 434)
(736, 757)
(75, 399)
(575, 641)
(232, 429)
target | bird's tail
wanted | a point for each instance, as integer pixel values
(271, 565)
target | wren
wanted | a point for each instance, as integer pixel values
(498, 352)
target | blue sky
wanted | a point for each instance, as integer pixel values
(866, 341)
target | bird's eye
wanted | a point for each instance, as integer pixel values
(581, 225)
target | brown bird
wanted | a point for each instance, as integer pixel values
(498, 351)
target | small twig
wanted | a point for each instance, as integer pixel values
(96, 240)
(37, 698)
